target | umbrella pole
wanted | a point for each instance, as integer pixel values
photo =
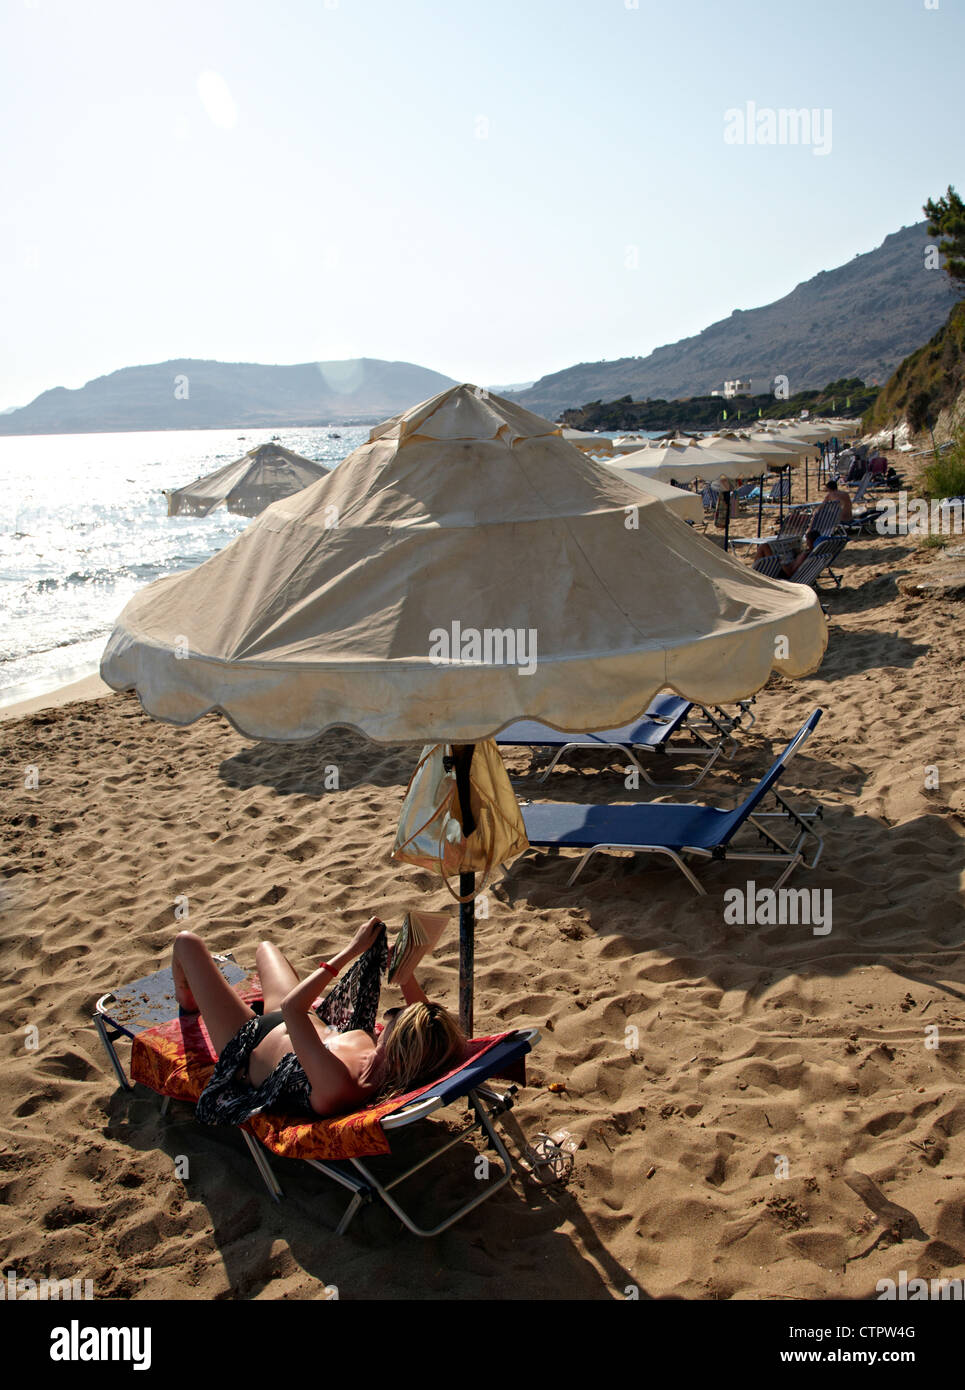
(467, 950)
(462, 761)
(726, 518)
(760, 502)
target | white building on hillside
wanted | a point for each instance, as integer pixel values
(738, 387)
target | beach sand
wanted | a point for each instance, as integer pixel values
(757, 1050)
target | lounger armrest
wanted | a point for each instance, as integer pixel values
(418, 1110)
(425, 1105)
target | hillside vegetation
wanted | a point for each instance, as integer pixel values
(847, 397)
(926, 388)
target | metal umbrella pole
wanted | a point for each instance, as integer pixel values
(462, 761)
(760, 502)
(726, 517)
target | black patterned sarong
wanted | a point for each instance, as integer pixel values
(350, 1004)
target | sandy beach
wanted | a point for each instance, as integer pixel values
(725, 1081)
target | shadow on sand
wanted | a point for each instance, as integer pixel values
(478, 1257)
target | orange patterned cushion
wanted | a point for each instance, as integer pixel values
(177, 1058)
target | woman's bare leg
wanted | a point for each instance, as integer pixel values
(200, 985)
(276, 975)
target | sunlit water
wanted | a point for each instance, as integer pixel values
(84, 524)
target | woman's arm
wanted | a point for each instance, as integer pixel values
(412, 991)
(330, 1079)
(307, 991)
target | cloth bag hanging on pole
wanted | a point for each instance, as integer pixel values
(431, 834)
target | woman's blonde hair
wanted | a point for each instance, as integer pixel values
(424, 1043)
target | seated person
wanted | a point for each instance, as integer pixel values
(793, 563)
(834, 493)
(286, 1059)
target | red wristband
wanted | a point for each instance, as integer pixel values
(324, 965)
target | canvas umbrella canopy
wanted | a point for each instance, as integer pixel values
(757, 448)
(464, 568)
(801, 432)
(589, 442)
(249, 485)
(629, 443)
(685, 463)
(683, 503)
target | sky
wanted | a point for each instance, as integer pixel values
(495, 191)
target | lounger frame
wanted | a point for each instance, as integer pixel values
(703, 749)
(352, 1174)
(791, 856)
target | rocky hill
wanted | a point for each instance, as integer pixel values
(196, 394)
(928, 389)
(859, 320)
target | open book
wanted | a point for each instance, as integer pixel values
(421, 932)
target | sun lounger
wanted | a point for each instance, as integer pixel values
(811, 569)
(819, 561)
(824, 519)
(862, 488)
(770, 565)
(677, 831)
(862, 523)
(666, 716)
(172, 1055)
(780, 493)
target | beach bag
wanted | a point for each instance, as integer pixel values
(430, 833)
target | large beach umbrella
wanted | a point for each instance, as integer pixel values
(249, 485)
(629, 443)
(760, 448)
(681, 501)
(589, 442)
(686, 463)
(464, 568)
(800, 431)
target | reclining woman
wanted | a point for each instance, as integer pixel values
(285, 1059)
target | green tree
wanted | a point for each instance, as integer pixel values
(946, 218)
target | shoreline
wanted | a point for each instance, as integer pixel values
(87, 688)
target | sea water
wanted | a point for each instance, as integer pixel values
(84, 524)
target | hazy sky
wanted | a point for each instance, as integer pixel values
(495, 190)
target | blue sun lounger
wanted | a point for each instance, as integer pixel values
(137, 1011)
(667, 715)
(681, 830)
